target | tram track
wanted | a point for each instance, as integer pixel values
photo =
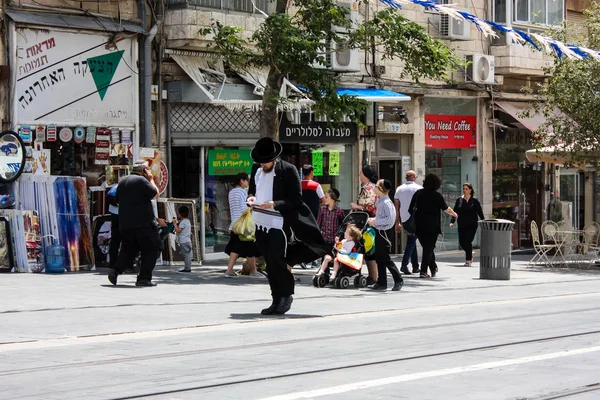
(334, 337)
(350, 366)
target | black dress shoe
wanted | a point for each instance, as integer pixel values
(112, 276)
(145, 284)
(284, 305)
(416, 270)
(397, 286)
(271, 309)
(377, 286)
(405, 270)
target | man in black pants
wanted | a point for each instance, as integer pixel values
(138, 227)
(286, 230)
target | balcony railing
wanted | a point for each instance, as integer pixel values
(225, 5)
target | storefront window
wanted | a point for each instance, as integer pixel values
(336, 166)
(451, 153)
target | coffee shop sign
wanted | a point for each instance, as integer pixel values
(317, 132)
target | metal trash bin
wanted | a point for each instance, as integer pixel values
(496, 237)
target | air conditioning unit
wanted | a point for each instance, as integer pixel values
(480, 69)
(343, 59)
(451, 28)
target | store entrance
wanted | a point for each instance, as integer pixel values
(392, 170)
(572, 186)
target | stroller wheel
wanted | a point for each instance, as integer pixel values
(336, 283)
(363, 281)
(344, 282)
(322, 281)
(315, 281)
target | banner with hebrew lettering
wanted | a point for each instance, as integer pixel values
(73, 78)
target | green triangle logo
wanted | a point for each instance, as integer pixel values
(103, 69)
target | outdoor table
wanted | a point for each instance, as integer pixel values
(567, 240)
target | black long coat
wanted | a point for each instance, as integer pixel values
(287, 195)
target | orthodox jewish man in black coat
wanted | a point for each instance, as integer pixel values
(286, 231)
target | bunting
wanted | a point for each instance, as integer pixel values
(489, 28)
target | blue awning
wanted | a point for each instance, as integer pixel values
(374, 95)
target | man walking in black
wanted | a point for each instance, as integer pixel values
(139, 230)
(286, 230)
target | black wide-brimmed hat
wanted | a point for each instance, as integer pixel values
(266, 150)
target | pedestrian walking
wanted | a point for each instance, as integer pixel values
(427, 204)
(384, 221)
(367, 202)
(330, 216)
(286, 230)
(137, 224)
(115, 234)
(236, 247)
(469, 212)
(312, 192)
(183, 229)
(402, 198)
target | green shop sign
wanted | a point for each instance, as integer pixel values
(229, 161)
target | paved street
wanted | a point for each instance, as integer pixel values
(201, 336)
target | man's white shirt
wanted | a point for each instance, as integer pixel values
(404, 194)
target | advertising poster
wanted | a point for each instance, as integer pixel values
(450, 132)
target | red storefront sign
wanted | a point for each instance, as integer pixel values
(450, 131)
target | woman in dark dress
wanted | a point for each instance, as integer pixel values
(469, 212)
(427, 204)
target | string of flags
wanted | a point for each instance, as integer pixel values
(489, 28)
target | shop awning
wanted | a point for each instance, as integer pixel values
(73, 21)
(205, 69)
(561, 154)
(516, 108)
(374, 95)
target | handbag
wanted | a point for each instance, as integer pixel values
(410, 226)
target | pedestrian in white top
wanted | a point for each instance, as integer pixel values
(236, 247)
(402, 198)
(183, 228)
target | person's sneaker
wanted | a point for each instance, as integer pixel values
(377, 286)
(397, 286)
(405, 270)
(371, 281)
(416, 270)
(256, 275)
(434, 272)
(112, 276)
(185, 270)
(230, 275)
(145, 284)
(424, 276)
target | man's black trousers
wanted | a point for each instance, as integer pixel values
(272, 245)
(144, 240)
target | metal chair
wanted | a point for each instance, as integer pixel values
(591, 237)
(550, 236)
(541, 249)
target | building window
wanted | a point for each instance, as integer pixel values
(228, 5)
(543, 12)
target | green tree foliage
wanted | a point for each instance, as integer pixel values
(573, 88)
(291, 41)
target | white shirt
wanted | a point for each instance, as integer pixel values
(347, 246)
(320, 192)
(264, 185)
(237, 204)
(404, 194)
(185, 236)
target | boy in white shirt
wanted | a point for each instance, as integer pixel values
(183, 228)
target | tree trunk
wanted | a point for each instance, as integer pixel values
(269, 117)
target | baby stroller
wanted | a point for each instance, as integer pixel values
(352, 269)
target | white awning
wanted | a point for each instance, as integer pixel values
(205, 69)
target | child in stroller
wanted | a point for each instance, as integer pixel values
(348, 261)
(352, 237)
